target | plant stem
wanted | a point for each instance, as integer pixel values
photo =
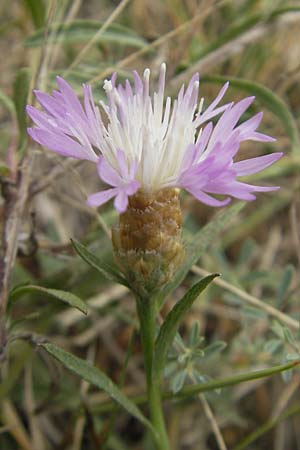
(146, 311)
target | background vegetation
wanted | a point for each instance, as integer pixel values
(247, 320)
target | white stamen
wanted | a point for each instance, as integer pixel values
(107, 86)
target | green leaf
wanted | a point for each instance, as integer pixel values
(272, 346)
(215, 347)
(178, 380)
(198, 244)
(80, 31)
(205, 385)
(64, 296)
(105, 269)
(36, 9)
(172, 321)
(191, 390)
(97, 378)
(20, 94)
(289, 336)
(269, 99)
(194, 335)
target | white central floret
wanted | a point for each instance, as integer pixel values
(147, 132)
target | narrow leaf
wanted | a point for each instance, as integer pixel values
(97, 378)
(233, 380)
(64, 296)
(170, 326)
(105, 269)
(215, 347)
(80, 31)
(269, 99)
(211, 385)
(20, 93)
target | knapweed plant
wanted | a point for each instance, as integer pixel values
(147, 149)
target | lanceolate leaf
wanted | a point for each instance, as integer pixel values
(84, 30)
(269, 99)
(64, 296)
(194, 389)
(106, 270)
(173, 320)
(97, 378)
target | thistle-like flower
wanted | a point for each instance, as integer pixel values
(149, 148)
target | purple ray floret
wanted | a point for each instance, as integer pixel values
(152, 143)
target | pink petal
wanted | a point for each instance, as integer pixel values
(121, 201)
(250, 125)
(61, 144)
(107, 173)
(208, 200)
(254, 165)
(132, 187)
(40, 118)
(256, 136)
(69, 95)
(99, 198)
(218, 98)
(50, 104)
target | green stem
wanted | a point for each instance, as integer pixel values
(147, 311)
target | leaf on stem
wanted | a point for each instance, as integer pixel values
(96, 377)
(105, 269)
(64, 296)
(172, 321)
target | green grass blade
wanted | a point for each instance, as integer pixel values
(80, 31)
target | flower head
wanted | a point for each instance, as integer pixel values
(150, 143)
